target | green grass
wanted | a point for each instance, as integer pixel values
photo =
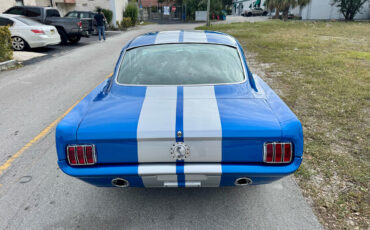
(323, 72)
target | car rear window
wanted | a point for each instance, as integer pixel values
(33, 12)
(28, 21)
(181, 64)
(15, 10)
(52, 13)
(71, 15)
(5, 22)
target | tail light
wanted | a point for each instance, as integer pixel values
(38, 31)
(79, 24)
(278, 152)
(81, 154)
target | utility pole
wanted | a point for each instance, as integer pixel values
(208, 8)
(141, 11)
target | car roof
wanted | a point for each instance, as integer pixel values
(183, 36)
(38, 7)
(10, 15)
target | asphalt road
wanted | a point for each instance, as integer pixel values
(35, 194)
(62, 49)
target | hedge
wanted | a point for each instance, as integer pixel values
(124, 24)
(6, 51)
(108, 15)
(132, 12)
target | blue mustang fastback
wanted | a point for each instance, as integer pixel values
(182, 109)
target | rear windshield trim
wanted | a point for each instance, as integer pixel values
(210, 84)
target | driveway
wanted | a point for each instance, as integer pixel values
(35, 194)
(234, 19)
(39, 54)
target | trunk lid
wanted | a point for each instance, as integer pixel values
(142, 123)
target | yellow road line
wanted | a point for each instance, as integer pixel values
(43, 133)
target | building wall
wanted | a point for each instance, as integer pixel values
(119, 6)
(323, 10)
(240, 6)
(116, 6)
(6, 4)
(86, 5)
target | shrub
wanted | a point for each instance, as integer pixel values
(132, 12)
(108, 15)
(6, 51)
(124, 24)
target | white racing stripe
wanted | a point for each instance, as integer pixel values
(202, 124)
(195, 36)
(158, 175)
(156, 133)
(167, 37)
(196, 175)
(207, 175)
(157, 124)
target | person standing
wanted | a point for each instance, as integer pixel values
(100, 19)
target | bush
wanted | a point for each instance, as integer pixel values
(132, 12)
(125, 23)
(6, 51)
(108, 15)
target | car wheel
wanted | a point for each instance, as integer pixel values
(264, 13)
(249, 14)
(74, 39)
(19, 43)
(63, 36)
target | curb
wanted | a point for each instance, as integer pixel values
(7, 64)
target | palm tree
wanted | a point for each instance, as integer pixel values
(271, 5)
(284, 6)
(302, 4)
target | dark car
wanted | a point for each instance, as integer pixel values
(70, 29)
(87, 17)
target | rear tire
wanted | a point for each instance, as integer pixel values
(74, 39)
(249, 14)
(19, 44)
(264, 13)
(63, 36)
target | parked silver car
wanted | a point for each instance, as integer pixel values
(254, 12)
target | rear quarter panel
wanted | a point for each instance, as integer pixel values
(66, 131)
(291, 127)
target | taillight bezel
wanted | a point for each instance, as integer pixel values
(274, 152)
(86, 163)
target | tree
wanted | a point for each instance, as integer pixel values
(349, 8)
(284, 6)
(301, 4)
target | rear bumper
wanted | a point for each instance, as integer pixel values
(185, 175)
(44, 40)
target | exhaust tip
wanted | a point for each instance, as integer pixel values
(121, 183)
(242, 181)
